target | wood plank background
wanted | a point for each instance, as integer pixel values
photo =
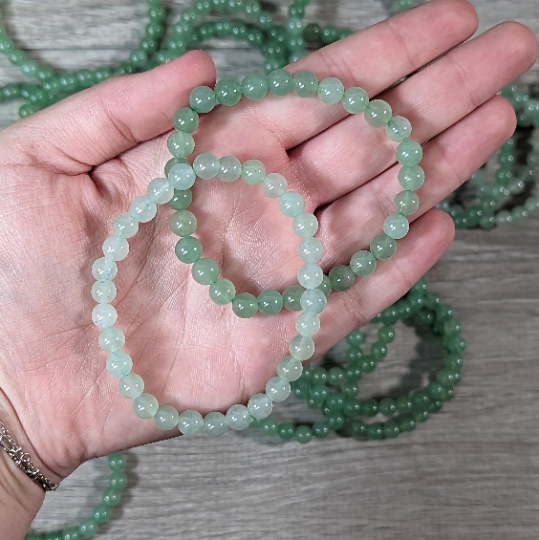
(471, 472)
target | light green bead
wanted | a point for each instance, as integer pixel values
(305, 84)
(206, 166)
(325, 286)
(111, 339)
(409, 153)
(131, 386)
(291, 204)
(238, 417)
(188, 249)
(341, 277)
(171, 162)
(245, 305)
(230, 169)
(183, 223)
(160, 191)
(310, 250)
(307, 324)
(104, 269)
(291, 297)
(363, 263)
(180, 144)
(119, 364)
(205, 271)
(270, 302)
(396, 226)
(104, 292)
(378, 113)
(406, 203)
(310, 276)
(215, 424)
(277, 389)
(398, 128)
(383, 247)
(301, 347)
(145, 406)
(274, 185)
(104, 315)
(313, 301)
(280, 82)
(289, 368)
(112, 497)
(115, 248)
(182, 176)
(190, 422)
(330, 90)
(411, 178)
(71, 533)
(222, 291)
(305, 225)
(142, 209)
(254, 86)
(253, 172)
(228, 92)
(260, 406)
(166, 418)
(88, 527)
(185, 119)
(355, 100)
(125, 225)
(202, 99)
(101, 513)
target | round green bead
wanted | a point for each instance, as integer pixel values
(342, 278)
(185, 119)
(245, 305)
(88, 527)
(411, 178)
(305, 84)
(321, 429)
(131, 386)
(71, 533)
(305, 225)
(116, 462)
(183, 223)
(181, 199)
(181, 176)
(292, 296)
(391, 429)
(270, 302)
(230, 169)
(310, 249)
(260, 406)
(286, 431)
(363, 263)
(409, 153)
(387, 407)
(167, 418)
(119, 364)
(398, 128)
(280, 82)
(355, 100)
(291, 204)
(190, 422)
(330, 90)
(307, 324)
(206, 166)
(303, 434)
(396, 226)
(378, 113)
(180, 144)
(188, 249)
(101, 513)
(215, 424)
(253, 172)
(254, 86)
(54, 535)
(325, 286)
(383, 247)
(205, 271)
(112, 497)
(145, 406)
(228, 92)
(222, 291)
(202, 99)
(406, 202)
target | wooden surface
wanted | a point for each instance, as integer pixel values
(471, 472)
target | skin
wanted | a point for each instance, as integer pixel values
(76, 165)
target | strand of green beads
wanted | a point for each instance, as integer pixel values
(101, 513)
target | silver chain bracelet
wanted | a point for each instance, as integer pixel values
(23, 460)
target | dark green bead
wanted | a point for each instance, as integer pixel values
(389, 316)
(256, 423)
(357, 428)
(319, 393)
(435, 406)
(181, 200)
(54, 535)
(312, 33)
(386, 334)
(448, 378)
(421, 400)
(406, 423)
(353, 372)
(404, 405)
(369, 408)
(354, 354)
(335, 401)
(420, 416)
(291, 297)
(349, 390)
(336, 376)
(319, 375)
(321, 429)
(101, 513)
(351, 407)
(355, 338)
(453, 362)
(303, 434)
(456, 344)
(379, 350)
(437, 391)
(34, 536)
(116, 462)
(341, 277)
(329, 34)
(189, 250)
(391, 429)
(387, 407)
(335, 420)
(368, 364)
(375, 431)
(269, 426)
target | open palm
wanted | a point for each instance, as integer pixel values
(67, 171)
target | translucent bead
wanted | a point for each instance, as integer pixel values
(131, 386)
(277, 389)
(145, 406)
(270, 302)
(330, 90)
(325, 286)
(181, 200)
(301, 347)
(409, 153)
(355, 100)
(160, 191)
(310, 276)
(112, 497)
(305, 225)
(245, 305)
(260, 406)
(363, 263)
(238, 417)
(115, 248)
(291, 297)
(228, 92)
(313, 301)
(289, 368)
(215, 424)
(205, 271)
(411, 178)
(305, 84)
(116, 462)
(532, 205)
(280, 82)
(71, 533)
(190, 422)
(253, 172)
(230, 169)
(188, 249)
(291, 204)
(341, 277)
(222, 291)
(118, 480)
(254, 86)
(182, 176)
(183, 223)
(383, 247)
(125, 225)
(406, 203)
(142, 209)
(307, 324)
(503, 218)
(310, 250)
(398, 128)
(104, 268)
(378, 113)
(185, 119)
(180, 144)
(119, 364)
(206, 166)
(396, 226)
(202, 99)
(104, 315)
(104, 292)
(111, 339)
(88, 527)
(274, 185)
(166, 418)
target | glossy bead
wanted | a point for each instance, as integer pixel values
(111, 339)
(245, 305)
(104, 315)
(270, 302)
(274, 185)
(291, 204)
(202, 99)
(310, 250)
(310, 276)
(71, 533)
(143, 209)
(396, 226)
(307, 324)
(125, 225)
(215, 424)
(190, 422)
(378, 113)
(145, 406)
(160, 191)
(118, 480)
(206, 166)
(115, 248)
(183, 223)
(180, 144)
(228, 92)
(104, 269)
(238, 417)
(289, 368)
(111, 497)
(131, 386)
(230, 169)
(363, 263)
(185, 119)
(305, 84)
(286, 431)
(303, 434)
(277, 389)
(398, 128)
(253, 172)
(222, 291)
(88, 527)
(409, 153)
(355, 100)
(116, 462)
(205, 271)
(313, 301)
(280, 82)
(342, 278)
(254, 86)
(260, 406)
(383, 247)
(330, 90)
(182, 176)
(166, 418)
(119, 364)
(305, 225)
(301, 347)
(291, 297)
(103, 292)
(406, 203)
(188, 249)
(411, 178)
